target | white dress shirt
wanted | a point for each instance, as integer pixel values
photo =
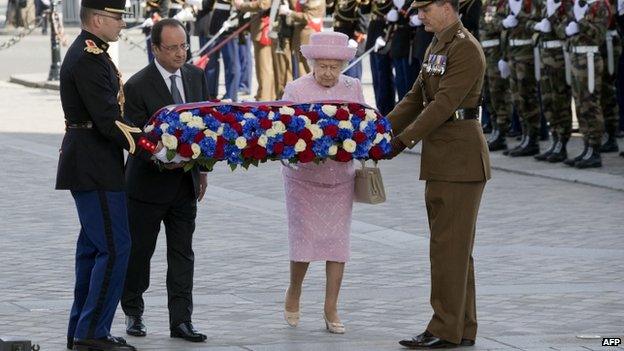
(166, 76)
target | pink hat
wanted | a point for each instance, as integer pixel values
(328, 45)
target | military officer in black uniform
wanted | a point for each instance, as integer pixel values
(154, 11)
(349, 19)
(91, 165)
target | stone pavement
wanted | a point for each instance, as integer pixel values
(547, 254)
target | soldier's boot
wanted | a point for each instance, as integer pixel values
(622, 154)
(610, 145)
(497, 141)
(544, 155)
(560, 153)
(571, 161)
(591, 159)
(529, 148)
(517, 147)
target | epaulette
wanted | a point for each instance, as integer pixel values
(460, 34)
(92, 48)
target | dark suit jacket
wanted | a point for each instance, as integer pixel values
(146, 92)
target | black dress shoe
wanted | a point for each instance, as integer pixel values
(467, 342)
(187, 332)
(109, 343)
(135, 326)
(70, 342)
(426, 340)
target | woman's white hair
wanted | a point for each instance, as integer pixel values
(311, 63)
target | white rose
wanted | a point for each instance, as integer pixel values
(363, 125)
(300, 145)
(185, 117)
(345, 125)
(285, 110)
(164, 127)
(387, 137)
(249, 115)
(271, 115)
(209, 133)
(170, 141)
(241, 142)
(196, 122)
(329, 110)
(271, 133)
(149, 128)
(306, 120)
(196, 150)
(349, 145)
(220, 130)
(279, 127)
(333, 150)
(370, 115)
(262, 140)
(316, 131)
(378, 138)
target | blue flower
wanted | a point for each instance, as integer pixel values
(233, 154)
(188, 134)
(211, 123)
(344, 134)
(289, 152)
(297, 124)
(208, 146)
(321, 147)
(229, 133)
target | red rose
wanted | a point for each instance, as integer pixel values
(185, 150)
(266, 123)
(360, 113)
(331, 130)
(260, 153)
(218, 116)
(198, 137)
(299, 112)
(290, 138)
(177, 133)
(343, 156)
(248, 153)
(206, 110)
(220, 141)
(230, 118)
(278, 148)
(359, 137)
(219, 151)
(244, 109)
(251, 143)
(376, 153)
(380, 129)
(313, 116)
(342, 114)
(286, 119)
(354, 107)
(264, 108)
(237, 127)
(306, 156)
(306, 135)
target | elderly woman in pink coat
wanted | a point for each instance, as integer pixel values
(319, 198)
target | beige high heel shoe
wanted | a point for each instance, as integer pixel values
(334, 327)
(292, 318)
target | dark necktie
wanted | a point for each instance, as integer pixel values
(175, 93)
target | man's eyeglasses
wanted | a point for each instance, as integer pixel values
(173, 48)
(110, 16)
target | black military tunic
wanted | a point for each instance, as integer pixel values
(91, 156)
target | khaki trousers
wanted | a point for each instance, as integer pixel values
(264, 72)
(452, 209)
(282, 65)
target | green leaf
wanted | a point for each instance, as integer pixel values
(171, 154)
(188, 166)
(233, 166)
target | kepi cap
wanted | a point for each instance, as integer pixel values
(114, 6)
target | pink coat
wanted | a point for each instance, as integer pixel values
(319, 198)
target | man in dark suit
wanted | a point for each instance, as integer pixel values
(170, 195)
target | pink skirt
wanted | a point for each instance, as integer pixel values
(319, 218)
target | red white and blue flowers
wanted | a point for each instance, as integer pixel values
(251, 133)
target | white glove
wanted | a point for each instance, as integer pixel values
(128, 4)
(551, 7)
(579, 12)
(543, 26)
(503, 67)
(510, 21)
(392, 15)
(148, 23)
(515, 6)
(162, 155)
(398, 3)
(185, 15)
(415, 21)
(178, 159)
(379, 43)
(353, 44)
(571, 29)
(284, 10)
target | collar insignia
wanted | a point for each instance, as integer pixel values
(92, 47)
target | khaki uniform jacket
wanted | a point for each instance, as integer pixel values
(310, 9)
(256, 6)
(454, 151)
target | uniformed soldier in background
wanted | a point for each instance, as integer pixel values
(262, 47)
(499, 101)
(470, 13)
(610, 50)
(91, 165)
(380, 60)
(586, 32)
(522, 17)
(554, 85)
(442, 111)
(281, 35)
(307, 18)
(400, 46)
(349, 19)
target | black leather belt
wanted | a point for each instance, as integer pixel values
(79, 125)
(464, 113)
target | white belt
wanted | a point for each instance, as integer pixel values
(220, 6)
(490, 43)
(552, 44)
(520, 42)
(175, 6)
(585, 49)
(610, 54)
(612, 33)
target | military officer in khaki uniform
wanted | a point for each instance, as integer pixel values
(307, 17)
(441, 110)
(262, 47)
